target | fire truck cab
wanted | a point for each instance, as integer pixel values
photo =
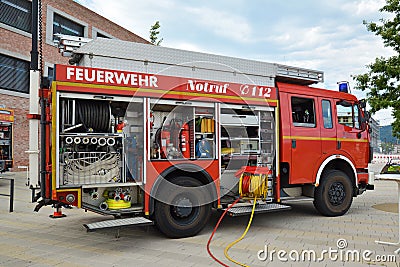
(164, 135)
(324, 145)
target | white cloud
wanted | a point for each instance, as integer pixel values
(226, 24)
(186, 46)
(136, 16)
(363, 7)
(325, 36)
(384, 116)
(297, 37)
(341, 60)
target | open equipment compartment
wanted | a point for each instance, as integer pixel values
(248, 138)
(182, 130)
(100, 148)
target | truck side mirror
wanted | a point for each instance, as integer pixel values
(363, 103)
(364, 120)
(363, 124)
(367, 115)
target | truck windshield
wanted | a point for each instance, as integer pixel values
(348, 115)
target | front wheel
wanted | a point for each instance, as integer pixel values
(183, 209)
(334, 195)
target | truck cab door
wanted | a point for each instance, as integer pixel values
(305, 138)
(327, 127)
(352, 140)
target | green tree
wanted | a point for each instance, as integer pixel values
(387, 148)
(154, 32)
(382, 81)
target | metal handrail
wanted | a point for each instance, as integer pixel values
(11, 195)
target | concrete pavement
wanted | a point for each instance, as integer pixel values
(33, 239)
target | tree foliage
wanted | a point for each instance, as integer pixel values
(382, 81)
(154, 32)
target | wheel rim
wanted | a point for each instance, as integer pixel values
(183, 211)
(337, 194)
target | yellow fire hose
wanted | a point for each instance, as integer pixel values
(255, 186)
(240, 238)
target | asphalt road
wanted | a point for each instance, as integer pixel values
(275, 239)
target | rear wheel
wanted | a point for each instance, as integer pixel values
(182, 210)
(334, 195)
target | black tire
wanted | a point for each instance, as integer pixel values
(334, 195)
(189, 215)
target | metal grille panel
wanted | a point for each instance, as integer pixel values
(91, 167)
(129, 56)
(174, 62)
(262, 208)
(118, 223)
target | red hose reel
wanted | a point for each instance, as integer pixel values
(253, 181)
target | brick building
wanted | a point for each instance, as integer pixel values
(58, 16)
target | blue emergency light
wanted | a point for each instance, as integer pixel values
(344, 87)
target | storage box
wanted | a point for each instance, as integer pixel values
(234, 119)
(250, 146)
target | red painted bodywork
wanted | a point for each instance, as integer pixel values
(124, 83)
(165, 87)
(313, 145)
(316, 144)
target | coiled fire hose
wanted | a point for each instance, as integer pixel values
(249, 185)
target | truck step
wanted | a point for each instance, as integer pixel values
(260, 208)
(296, 199)
(138, 221)
(134, 210)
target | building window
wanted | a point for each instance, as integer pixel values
(50, 74)
(14, 74)
(303, 112)
(17, 14)
(65, 26)
(101, 35)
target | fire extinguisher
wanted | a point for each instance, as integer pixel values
(184, 141)
(165, 140)
(151, 120)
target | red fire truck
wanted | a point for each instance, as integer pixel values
(153, 134)
(6, 139)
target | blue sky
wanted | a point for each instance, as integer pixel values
(322, 35)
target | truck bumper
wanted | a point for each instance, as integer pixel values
(371, 178)
(367, 183)
(371, 181)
